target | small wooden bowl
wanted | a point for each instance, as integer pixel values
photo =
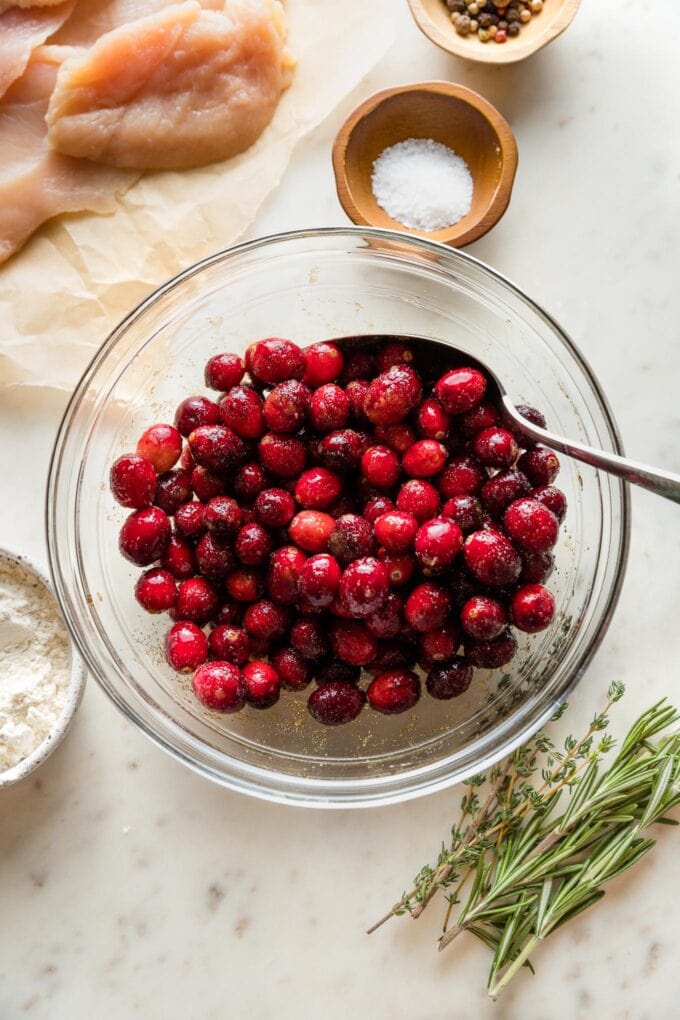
(434, 20)
(447, 113)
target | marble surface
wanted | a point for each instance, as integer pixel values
(131, 887)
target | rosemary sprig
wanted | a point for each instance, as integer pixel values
(530, 870)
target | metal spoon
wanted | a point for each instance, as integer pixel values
(441, 356)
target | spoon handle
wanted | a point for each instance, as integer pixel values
(663, 483)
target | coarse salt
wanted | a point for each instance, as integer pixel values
(422, 184)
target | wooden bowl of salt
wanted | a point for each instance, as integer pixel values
(433, 159)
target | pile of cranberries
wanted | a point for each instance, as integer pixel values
(337, 514)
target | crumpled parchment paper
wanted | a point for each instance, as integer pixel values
(79, 275)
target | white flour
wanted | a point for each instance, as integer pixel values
(34, 663)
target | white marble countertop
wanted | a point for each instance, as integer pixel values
(131, 887)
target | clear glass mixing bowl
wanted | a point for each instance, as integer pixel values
(311, 285)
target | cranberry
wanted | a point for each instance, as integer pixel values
(536, 567)
(495, 447)
(346, 504)
(329, 408)
(399, 568)
(161, 445)
(375, 507)
(385, 622)
(483, 416)
(220, 686)
(317, 488)
(241, 410)
(206, 484)
(491, 654)
(174, 488)
(133, 481)
(439, 645)
(398, 437)
(351, 538)
(285, 409)
(311, 530)
(144, 536)
(308, 639)
(294, 673)
(323, 364)
(229, 613)
(186, 461)
(214, 558)
(503, 489)
(263, 684)
(223, 371)
(531, 414)
(461, 584)
(437, 544)
(553, 498)
(275, 508)
(186, 647)
(380, 466)
(253, 545)
(364, 586)
(424, 459)
(283, 456)
(463, 476)
(196, 601)
(190, 519)
(532, 608)
(249, 481)
(460, 389)
(274, 360)
(229, 644)
(216, 448)
(392, 395)
(333, 704)
(178, 558)
(353, 642)
(266, 620)
(357, 391)
(336, 671)
(156, 591)
(432, 421)
(540, 465)
(492, 558)
(320, 580)
(427, 607)
(483, 618)
(396, 531)
(359, 365)
(341, 450)
(222, 516)
(419, 498)
(285, 570)
(394, 353)
(245, 584)
(465, 511)
(195, 412)
(393, 692)
(450, 680)
(391, 655)
(531, 524)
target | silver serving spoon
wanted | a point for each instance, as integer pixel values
(441, 356)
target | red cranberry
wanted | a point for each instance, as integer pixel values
(174, 488)
(294, 673)
(461, 584)
(503, 489)
(450, 680)
(392, 655)
(216, 448)
(346, 504)
(229, 614)
(245, 584)
(214, 558)
(375, 507)
(553, 498)
(536, 567)
(437, 544)
(465, 511)
(323, 364)
(334, 704)
(463, 476)
(162, 445)
(241, 409)
(427, 607)
(540, 465)
(249, 481)
(491, 654)
(393, 692)
(263, 684)
(283, 456)
(359, 365)
(317, 488)
(394, 353)
(190, 520)
(223, 371)
(351, 538)
(495, 447)
(220, 686)
(186, 461)
(285, 570)
(311, 530)
(253, 545)
(396, 531)
(439, 645)
(144, 536)
(156, 591)
(341, 450)
(364, 586)
(329, 408)
(186, 647)
(399, 567)
(178, 558)
(274, 360)
(266, 620)
(532, 608)
(308, 639)
(483, 618)
(420, 499)
(275, 508)
(222, 516)
(531, 414)
(229, 644)
(483, 416)
(385, 622)
(460, 389)
(195, 412)
(424, 459)
(196, 601)
(133, 481)
(320, 580)
(357, 391)
(532, 525)
(380, 466)
(206, 484)
(336, 671)
(285, 409)
(492, 558)
(392, 395)
(353, 642)
(432, 421)
(398, 437)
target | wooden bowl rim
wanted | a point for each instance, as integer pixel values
(506, 143)
(451, 42)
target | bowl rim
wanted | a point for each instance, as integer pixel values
(452, 43)
(343, 793)
(74, 690)
(507, 144)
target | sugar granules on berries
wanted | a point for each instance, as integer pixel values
(422, 184)
(34, 663)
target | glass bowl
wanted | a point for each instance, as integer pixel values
(310, 285)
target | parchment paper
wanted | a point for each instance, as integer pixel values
(77, 277)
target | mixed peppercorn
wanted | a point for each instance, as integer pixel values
(499, 20)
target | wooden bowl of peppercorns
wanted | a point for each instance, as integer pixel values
(493, 32)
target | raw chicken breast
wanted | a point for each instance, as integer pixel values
(181, 88)
(21, 31)
(93, 18)
(37, 183)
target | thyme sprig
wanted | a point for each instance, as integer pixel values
(529, 870)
